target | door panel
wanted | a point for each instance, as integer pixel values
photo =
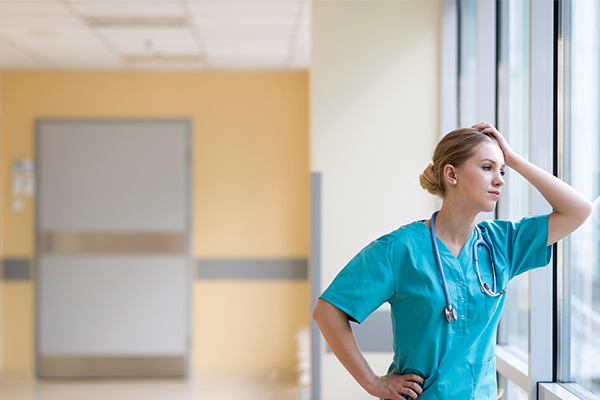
(113, 248)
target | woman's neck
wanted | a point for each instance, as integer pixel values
(454, 226)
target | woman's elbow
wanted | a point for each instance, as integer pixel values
(589, 208)
(317, 314)
(584, 210)
(325, 312)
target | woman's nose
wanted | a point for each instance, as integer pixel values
(499, 181)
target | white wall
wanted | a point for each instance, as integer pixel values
(375, 122)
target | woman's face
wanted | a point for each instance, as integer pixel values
(479, 180)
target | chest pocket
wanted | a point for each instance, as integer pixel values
(487, 276)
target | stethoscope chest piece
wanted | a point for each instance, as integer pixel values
(450, 314)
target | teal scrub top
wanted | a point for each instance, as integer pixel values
(456, 360)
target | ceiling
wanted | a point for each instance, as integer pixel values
(155, 34)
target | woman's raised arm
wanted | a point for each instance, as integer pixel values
(571, 209)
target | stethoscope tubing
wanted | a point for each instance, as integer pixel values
(439, 260)
(449, 311)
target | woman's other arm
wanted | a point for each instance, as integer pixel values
(336, 330)
(571, 208)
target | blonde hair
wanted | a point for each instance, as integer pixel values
(455, 148)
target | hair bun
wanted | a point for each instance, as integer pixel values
(429, 180)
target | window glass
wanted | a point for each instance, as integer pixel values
(513, 122)
(510, 390)
(467, 63)
(580, 320)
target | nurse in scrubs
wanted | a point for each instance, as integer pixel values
(441, 354)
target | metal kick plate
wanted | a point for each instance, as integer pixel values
(74, 243)
(112, 367)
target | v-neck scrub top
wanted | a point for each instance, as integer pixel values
(456, 360)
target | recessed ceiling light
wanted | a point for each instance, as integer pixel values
(137, 22)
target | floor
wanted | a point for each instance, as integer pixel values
(203, 386)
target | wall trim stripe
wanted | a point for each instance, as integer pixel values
(253, 269)
(16, 269)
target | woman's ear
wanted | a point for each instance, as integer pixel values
(450, 175)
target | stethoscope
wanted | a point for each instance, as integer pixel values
(485, 288)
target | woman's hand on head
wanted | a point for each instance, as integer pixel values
(509, 153)
(393, 386)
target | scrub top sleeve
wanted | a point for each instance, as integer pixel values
(524, 243)
(363, 285)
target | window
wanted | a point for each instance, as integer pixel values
(467, 63)
(513, 122)
(579, 265)
(511, 390)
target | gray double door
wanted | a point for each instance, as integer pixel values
(112, 248)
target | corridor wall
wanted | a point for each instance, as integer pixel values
(374, 124)
(249, 200)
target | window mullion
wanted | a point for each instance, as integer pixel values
(542, 129)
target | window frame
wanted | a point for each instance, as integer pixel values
(541, 374)
(561, 388)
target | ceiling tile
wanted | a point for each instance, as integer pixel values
(33, 9)
(36, 23)
(242, 37)
(167, 65)
(255, 9)
(247, 52)
(12, 58)
(233, 34)
(129, 9)
(141, 34)
(151, 41)
(28, 1)
(300, 55)
(79, 56)
(73, 48)
(52, 37)
(76, 2)
(245, 1)
(236, 63)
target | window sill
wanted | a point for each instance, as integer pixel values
(510, 364)
(564, 391)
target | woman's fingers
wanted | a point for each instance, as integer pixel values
(394, 386)
(411, 393)
(415, 378)
(488, 128)
(409, 384)
(413, 387)
(509, 153)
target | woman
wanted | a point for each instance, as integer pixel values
(445, 334)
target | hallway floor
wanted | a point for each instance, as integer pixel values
(203, 386)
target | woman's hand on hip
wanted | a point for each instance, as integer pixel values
(393, 386)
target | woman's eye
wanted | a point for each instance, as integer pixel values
(502, 173)
(487, 167)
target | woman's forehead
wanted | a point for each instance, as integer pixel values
(488, 151)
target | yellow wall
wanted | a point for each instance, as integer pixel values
(249, 195)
